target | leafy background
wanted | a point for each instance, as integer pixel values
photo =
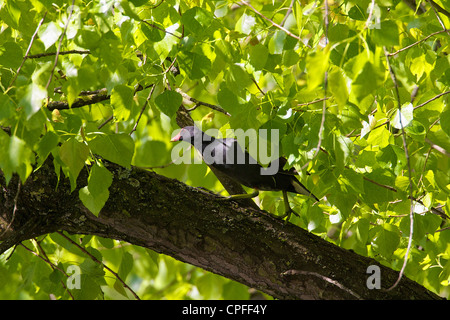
(268, 64)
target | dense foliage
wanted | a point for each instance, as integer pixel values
(358, 90)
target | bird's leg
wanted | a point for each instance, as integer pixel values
(287, 208)
(241, 196)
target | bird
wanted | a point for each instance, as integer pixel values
(227, 156)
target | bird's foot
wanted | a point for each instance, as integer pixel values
(240, 196)
(288, 214)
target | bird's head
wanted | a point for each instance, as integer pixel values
(187, 134)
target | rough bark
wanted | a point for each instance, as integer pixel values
(192, 225)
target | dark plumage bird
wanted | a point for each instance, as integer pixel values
(227, 156)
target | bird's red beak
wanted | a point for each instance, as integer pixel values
(176, 138)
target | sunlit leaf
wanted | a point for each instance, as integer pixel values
(403, 117)
(118, 148)
(169, 102)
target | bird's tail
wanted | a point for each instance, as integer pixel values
(301, 189)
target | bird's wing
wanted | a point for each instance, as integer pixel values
(239, 154)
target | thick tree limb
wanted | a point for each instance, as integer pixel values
(191, 225)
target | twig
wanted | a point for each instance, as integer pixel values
(432, 99)
(272, 22)
(437, 8)
(28, 51)
(440, 230)
(59, 46)
(99, 262)
(105, 122)
(166, 71)
(81, 102)
(318, 275)
(437, 148)
(48, 54)
(289, 11)
(161, 29)
(424, 166)
(416, 43)
(369, 18)
(311, 102)
(405, 147)
(324, 102)
(51, 264)
(380, 185)
(212, 106)
(142, 110)
(257, 85)
(156, 167)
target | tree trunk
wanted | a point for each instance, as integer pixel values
(225, 237)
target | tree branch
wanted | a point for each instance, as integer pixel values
(272, 22)
(200, 103)
(80, 102)
(61, 53)
(60, 44)
(405, 148)
(244, 244)
(28, 51)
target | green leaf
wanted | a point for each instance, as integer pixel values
(165, 46)
(129, 10)
(258, 56)
(357, 13)
(353, 181)
(298, 15)
(276, 43)
(168, 102)
(343, 148)
(316, 65)
(47, 143)
(445, 121)
(338, 32)
(95, 194)
(197, 20)
(237, 79)
(377, 193)
(72, 89)
(33, 99)
(93, 203)
(404, 117)
(16, 157)
(387, 240)
(392, 157)
(245, 24)
(151, 153)
(387, 34)
(315, 218)
(362, 230)
(117, 148)
(122, 101)
(338, 87)
(198, 65)
(366, 82)
(126, 265)
(402, 183)
(73, 153)
(379, 137)
(228, 100)
(10, 55)
(423, 224)
(49, 33)
(153, 34)
(417, 130)
(100, 180)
